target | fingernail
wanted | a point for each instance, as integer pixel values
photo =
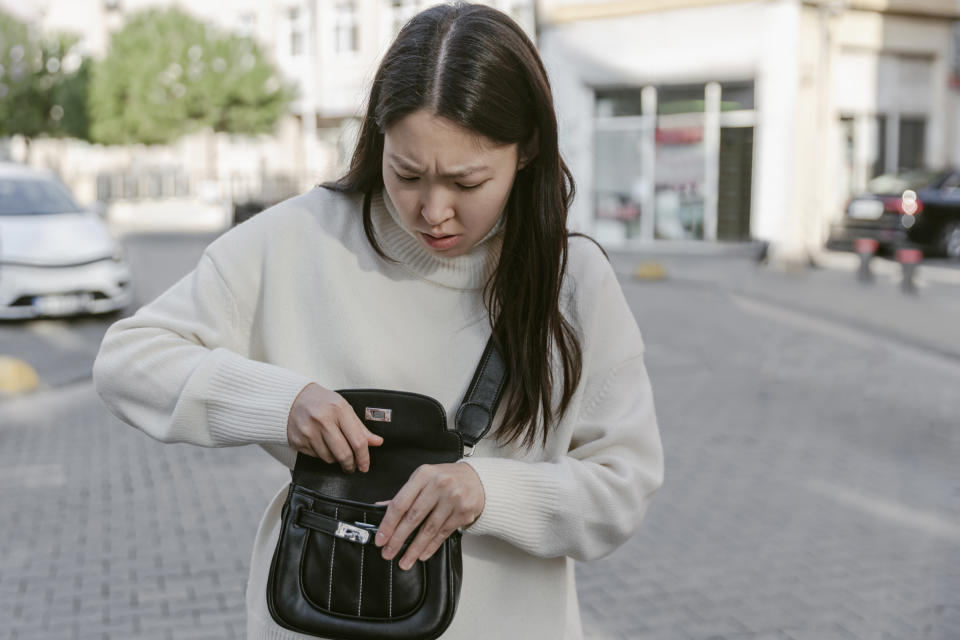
(380, 539)
(406, 564)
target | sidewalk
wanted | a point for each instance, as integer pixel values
(929, 319)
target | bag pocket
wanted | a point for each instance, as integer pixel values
(348, 577)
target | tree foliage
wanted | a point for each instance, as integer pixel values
(42, 82)
(167, 74)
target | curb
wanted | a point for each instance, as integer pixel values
(16, 377)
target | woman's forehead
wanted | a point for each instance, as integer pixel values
(422, 137)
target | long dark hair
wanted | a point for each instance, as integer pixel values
(476, 67)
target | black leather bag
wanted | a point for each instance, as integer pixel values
(327, 577)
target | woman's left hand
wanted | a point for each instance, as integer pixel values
(441, 496)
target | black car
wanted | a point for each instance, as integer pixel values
(916, 209)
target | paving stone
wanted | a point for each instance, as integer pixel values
(810, 493)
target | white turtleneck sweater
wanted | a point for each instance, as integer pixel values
(297, 295)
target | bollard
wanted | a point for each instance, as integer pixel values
(865, 248)
(909, 260)
(16, 376)
(650, 270)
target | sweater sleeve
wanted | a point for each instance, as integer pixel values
(178, 370)
(586, 502)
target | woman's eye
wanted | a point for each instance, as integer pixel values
(466, 187)
(406, 178)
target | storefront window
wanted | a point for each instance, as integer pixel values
(880, 162)
(680, 177)
(910, 153)
(680, 99)
(651, 165)
(618, 187)
(612, 103)
(736, 96)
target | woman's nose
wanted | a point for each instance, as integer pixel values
(436, 207)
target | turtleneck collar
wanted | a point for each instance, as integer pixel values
(468, 271)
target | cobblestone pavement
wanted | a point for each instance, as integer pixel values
(812, 492)
(812, 487)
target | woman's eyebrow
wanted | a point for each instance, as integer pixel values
(458, 173)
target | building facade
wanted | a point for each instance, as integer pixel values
(682, 120)
(714, 120)
(329, 48)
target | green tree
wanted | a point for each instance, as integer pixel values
(42, 83)
(167, 74)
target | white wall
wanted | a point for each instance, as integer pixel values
(752, 40)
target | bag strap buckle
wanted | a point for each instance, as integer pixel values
(351, 533)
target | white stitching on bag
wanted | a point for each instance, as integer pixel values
(333, 550)
(362, 549)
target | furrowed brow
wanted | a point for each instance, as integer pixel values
(409, 166)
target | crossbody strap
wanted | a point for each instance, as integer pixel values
(475, 415)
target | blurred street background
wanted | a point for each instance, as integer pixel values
(777, 183)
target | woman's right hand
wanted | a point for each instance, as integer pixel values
(322, 424)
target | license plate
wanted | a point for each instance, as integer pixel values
(59, 305)
(865, 209)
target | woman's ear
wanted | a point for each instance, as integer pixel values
(528, 151)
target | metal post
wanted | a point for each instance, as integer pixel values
(865, 248)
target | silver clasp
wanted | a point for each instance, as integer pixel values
(377, 415)
(352, 533)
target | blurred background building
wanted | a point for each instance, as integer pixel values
(682, 120)
(726, 120)
(329, 48)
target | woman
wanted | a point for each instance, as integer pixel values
(452, 215)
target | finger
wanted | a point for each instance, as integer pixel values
(433, 527)
(446, 529)
(418, 513)
(320, 450)
(357, 436)
(397, 508)
(338, 446)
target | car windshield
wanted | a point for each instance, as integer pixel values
(897, 183)
(27, 197)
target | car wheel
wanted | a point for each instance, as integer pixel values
(950, 240)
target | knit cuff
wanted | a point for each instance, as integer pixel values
(249, 401)
(519, 500)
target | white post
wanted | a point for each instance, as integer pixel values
(711, 156)
(648, 155)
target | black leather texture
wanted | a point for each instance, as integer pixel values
(475, 415)
(327, 578)
(333, 587)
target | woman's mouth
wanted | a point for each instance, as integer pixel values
(440, 243)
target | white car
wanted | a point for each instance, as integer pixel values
(56, 259)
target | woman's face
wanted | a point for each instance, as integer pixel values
(448, 184)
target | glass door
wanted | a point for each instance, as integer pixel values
(680, 177)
